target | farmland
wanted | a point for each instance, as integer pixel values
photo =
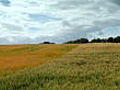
(17, 57)
(61, 67)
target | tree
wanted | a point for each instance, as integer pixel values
(69, 42)
(98, 40)
(46, 42)
(110, 39)
(84, 40)
(103, 40)
(117, 39)
(93, 40)
(78, 41)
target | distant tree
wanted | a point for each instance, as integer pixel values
(84, 40)
(103, 40)
(98, 40)
(117, 39)
(52, 43)
(93, 40)
(78, 41)
(69, 42)
(46, 42)
(110, 39)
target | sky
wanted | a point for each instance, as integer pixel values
(36, 21)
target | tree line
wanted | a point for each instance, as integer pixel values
(98, 40)
(47, 42)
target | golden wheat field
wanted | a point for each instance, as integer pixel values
(17, 57)
(60, 67)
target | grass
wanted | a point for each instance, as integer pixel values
(18, 57)
(88, 67)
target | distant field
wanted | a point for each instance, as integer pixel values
(86, 67)
(17, 57)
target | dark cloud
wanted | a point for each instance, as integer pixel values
(116, 2)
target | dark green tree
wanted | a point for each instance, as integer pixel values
(84, 40)
(110, 39)
(117, 39)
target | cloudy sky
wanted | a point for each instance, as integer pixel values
(35, 21)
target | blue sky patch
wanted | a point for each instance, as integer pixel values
(5, 2)
(43, 18)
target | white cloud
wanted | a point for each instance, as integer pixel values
(57, 20)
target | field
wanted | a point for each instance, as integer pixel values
(60, 67)
(18, 57)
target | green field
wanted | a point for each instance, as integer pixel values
(79, 67)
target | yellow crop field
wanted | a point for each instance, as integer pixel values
(93, 66)
(17, 57)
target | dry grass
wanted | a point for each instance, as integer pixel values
(88, 67)
(17, 57)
